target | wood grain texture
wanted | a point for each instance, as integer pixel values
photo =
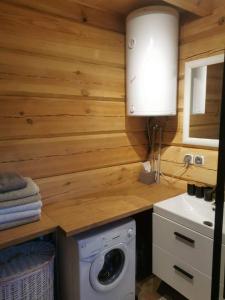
(218, 4)
(75, 162)
(62, 98)
(64, 125)
(70, 186)
(45, 147)
(75, 11)
(200, 38)
(25, 72)
(19, 26)
(200, 8)
(27, 232)
(203, 27)
(73, 216)
(77, 218)
(172, 163)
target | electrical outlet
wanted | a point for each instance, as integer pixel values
(199, 160)
(189, 159)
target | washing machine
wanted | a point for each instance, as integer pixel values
(100, 264)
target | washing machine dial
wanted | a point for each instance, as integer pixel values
(132, 109)
(130, 232)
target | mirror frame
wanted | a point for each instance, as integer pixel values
(187, 99)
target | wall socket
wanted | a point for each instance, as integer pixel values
(189, 159)
(199, 160)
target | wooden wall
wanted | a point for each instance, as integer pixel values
(198, 39)
(62, 99)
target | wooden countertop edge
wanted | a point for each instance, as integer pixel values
(26, 238)
(106, 221)
(20, 234)
(49, 224)
(145, 201)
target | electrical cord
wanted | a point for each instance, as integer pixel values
(150, 139)
(153, 131)
(151, 155)
(179, 172)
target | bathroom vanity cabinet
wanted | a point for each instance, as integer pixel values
(183, 258)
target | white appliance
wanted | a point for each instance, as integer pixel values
(151, 61)
(183, 246)
(100, 264)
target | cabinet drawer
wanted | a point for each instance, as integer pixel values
(193, 248)
(181, 276)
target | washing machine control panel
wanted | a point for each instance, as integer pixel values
(92, 246)
(118, 237)
(130, 232)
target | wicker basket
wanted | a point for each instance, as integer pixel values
(27, 272)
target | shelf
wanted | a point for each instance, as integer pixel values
(80, 214)
(27, 232)
(77, 215)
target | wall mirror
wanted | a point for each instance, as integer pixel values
(202, 101)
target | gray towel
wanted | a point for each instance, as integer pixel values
(19, 215)
(19, 222)
(21, 208)
(22, 201)
(10, 181)
(29, 190)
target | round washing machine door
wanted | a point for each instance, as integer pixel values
(109, 268)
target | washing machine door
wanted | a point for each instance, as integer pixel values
(109, 268)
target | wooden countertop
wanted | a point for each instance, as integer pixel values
(27, 232)
(77, 215)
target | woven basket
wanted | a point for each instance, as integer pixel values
(27, 272)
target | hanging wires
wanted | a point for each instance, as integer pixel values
(149, 137)
(152, 130)
(173, 178)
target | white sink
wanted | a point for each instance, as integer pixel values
(190, 212)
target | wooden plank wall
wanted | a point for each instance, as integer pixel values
(62, 99)
(200, 38)
(78, 11)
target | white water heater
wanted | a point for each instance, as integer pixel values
(152, 59)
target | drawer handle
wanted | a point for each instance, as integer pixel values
(183, 272)
(183, 237)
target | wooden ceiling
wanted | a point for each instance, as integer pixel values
(111, 14)
(197, 7)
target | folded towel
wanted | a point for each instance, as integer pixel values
(19, 215)
(19, 222)
(10, 181)
(22, 201)
(21, 208)
(29, 190)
